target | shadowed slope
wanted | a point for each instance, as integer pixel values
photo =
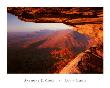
(90, 61)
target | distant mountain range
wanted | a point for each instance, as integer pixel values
(50, 51)
(33, 49)
(49, 39)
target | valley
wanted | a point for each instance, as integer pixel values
(41, 51)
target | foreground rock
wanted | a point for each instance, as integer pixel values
(90, 61)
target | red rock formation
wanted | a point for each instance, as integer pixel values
(86, 20)
(89, 61)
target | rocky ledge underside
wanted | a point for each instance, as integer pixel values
(85, 20)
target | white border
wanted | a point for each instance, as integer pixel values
(16, 80)
(53, 3)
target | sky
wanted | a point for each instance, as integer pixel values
(16, 25)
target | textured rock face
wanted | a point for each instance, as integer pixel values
(85, 20)
(67, 15)
(89, 61)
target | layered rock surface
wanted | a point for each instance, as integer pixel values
(85, 20)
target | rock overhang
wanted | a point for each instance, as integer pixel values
(86, 20)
